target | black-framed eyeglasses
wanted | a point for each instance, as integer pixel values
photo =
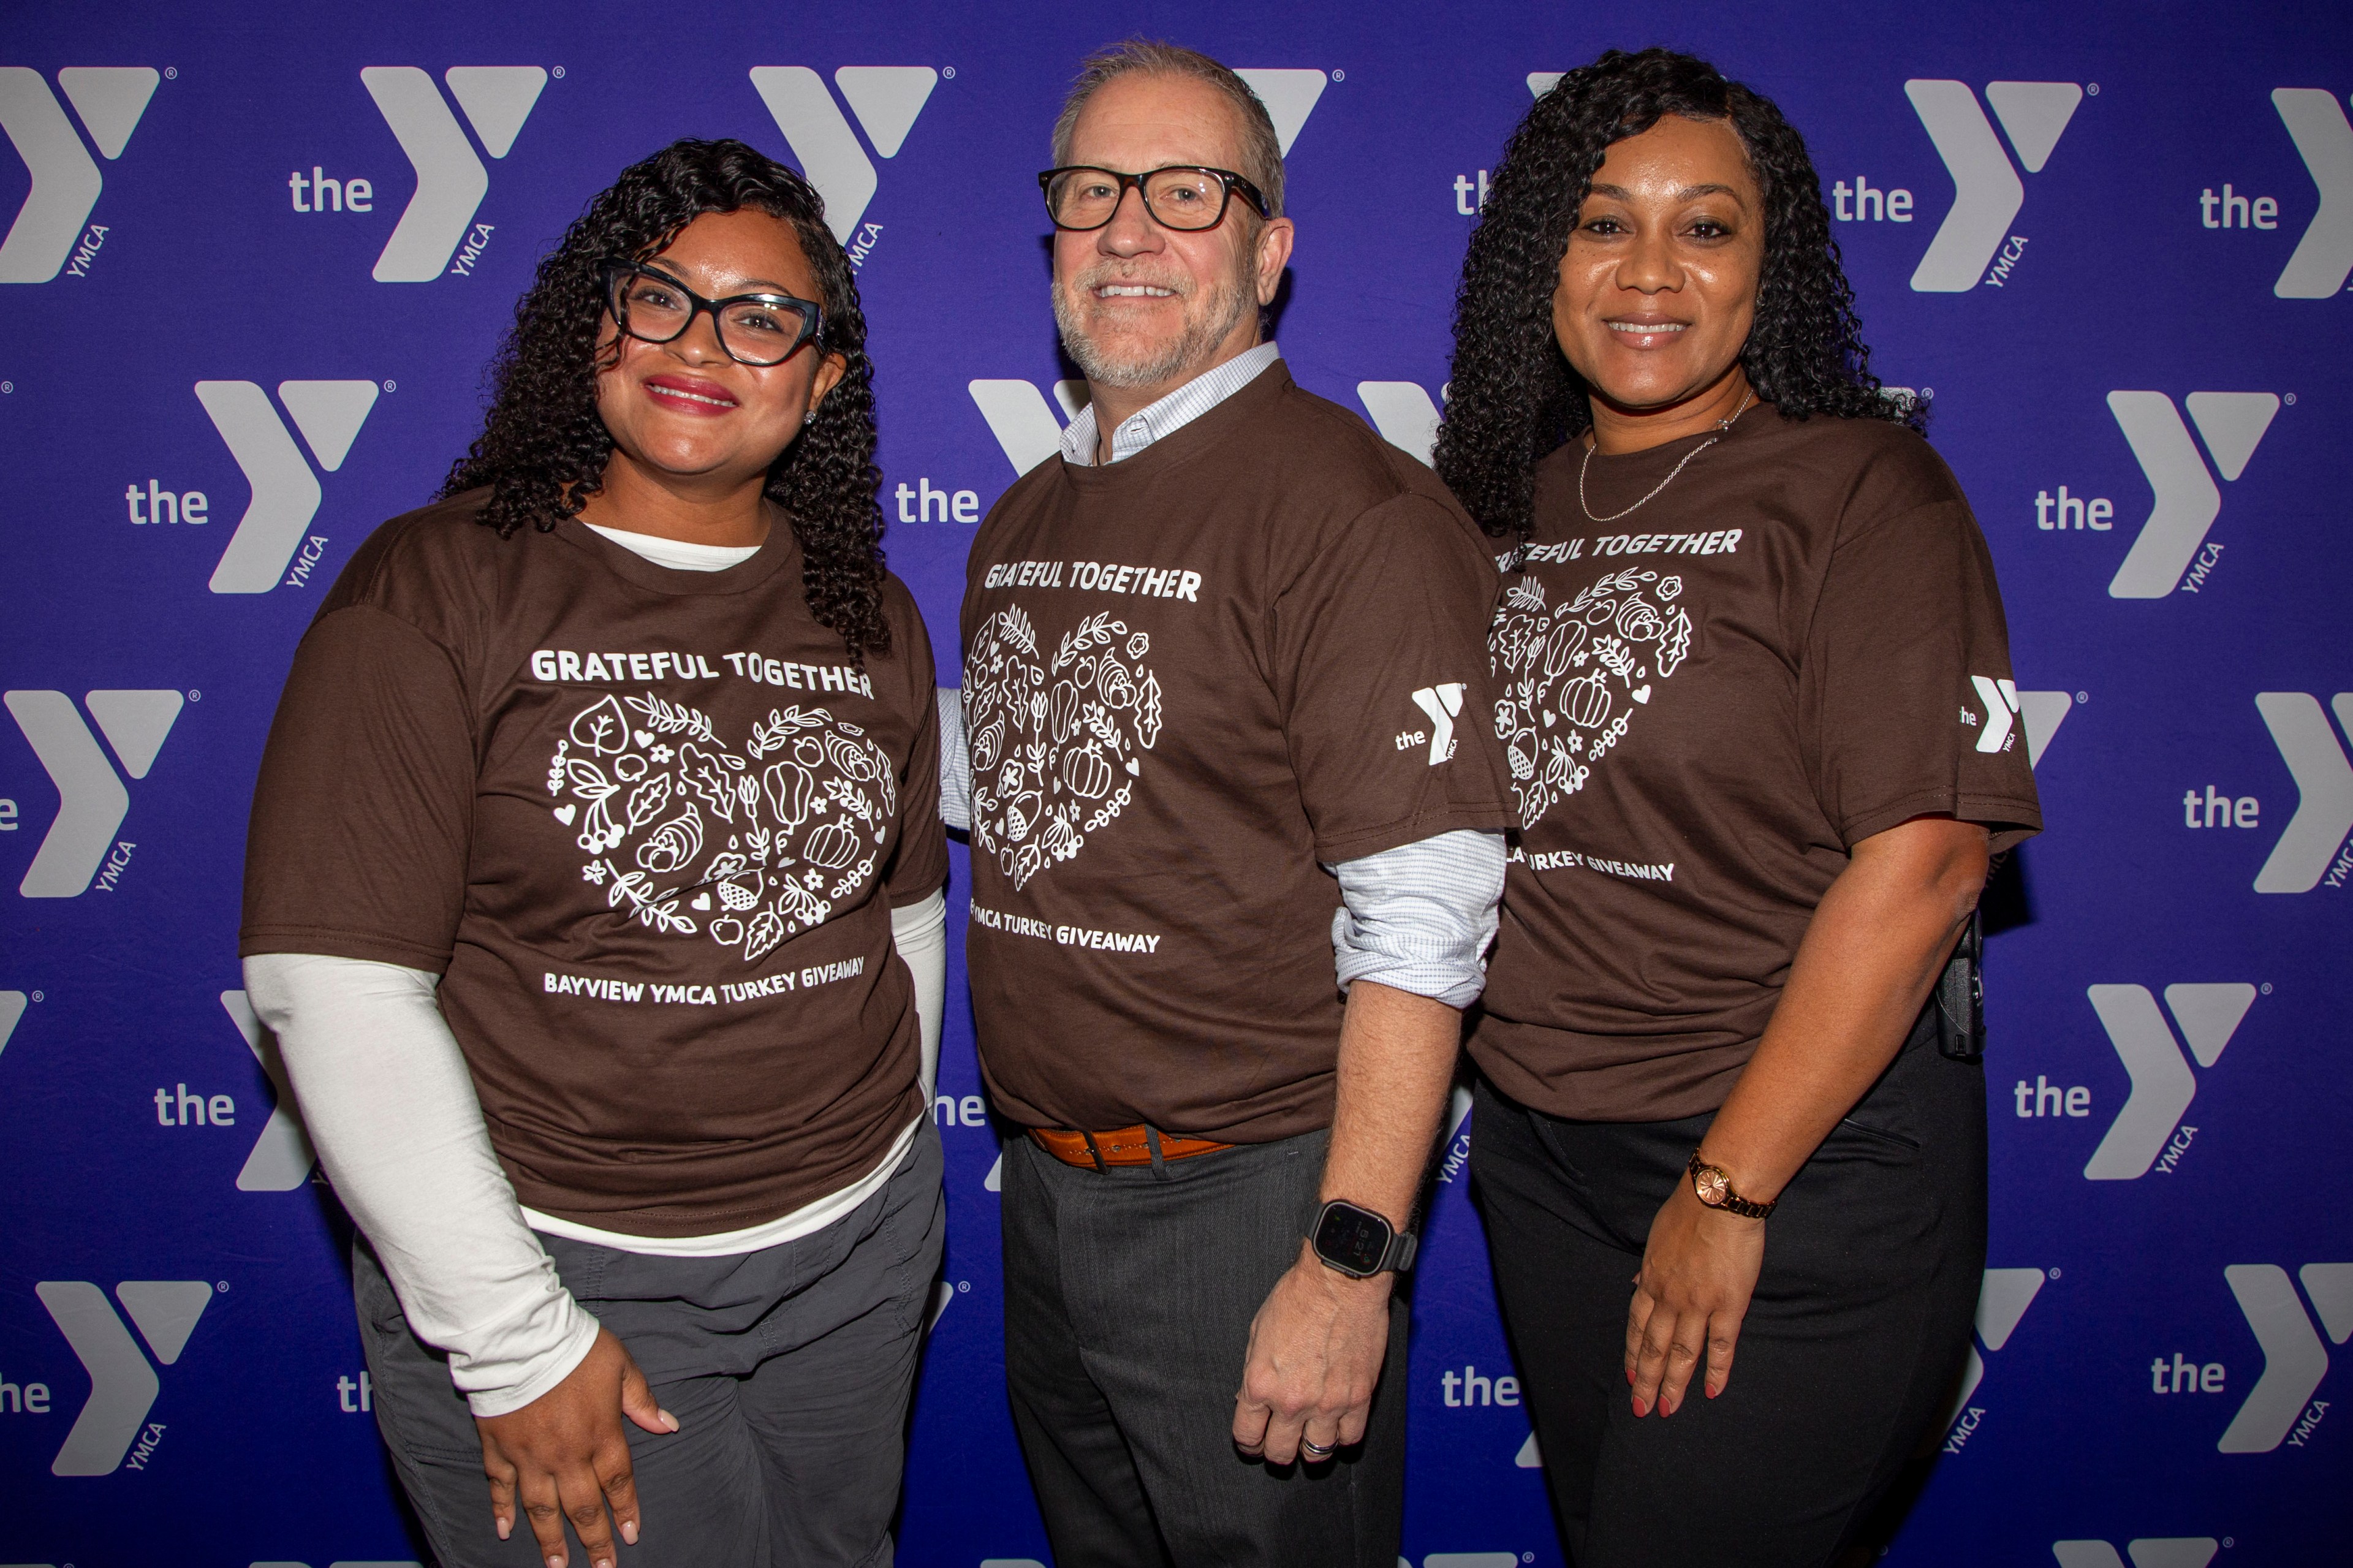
(754, 329)
(1080, 197)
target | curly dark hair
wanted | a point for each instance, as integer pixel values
(1514, 399)
(543, 448)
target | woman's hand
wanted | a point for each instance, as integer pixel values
(563, 1456)
(1698, 1270)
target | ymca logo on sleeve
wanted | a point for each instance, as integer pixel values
(1057, 744)
(1573, 675)
(91, 800)
(650, 789)
(450, 180)
(53, 226)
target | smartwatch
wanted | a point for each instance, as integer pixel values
(1359, 1243)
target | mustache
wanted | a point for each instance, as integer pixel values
(1104, 272)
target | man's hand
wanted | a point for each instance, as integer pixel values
(1316, 1350)
(1698, 1272)
(565, 1457)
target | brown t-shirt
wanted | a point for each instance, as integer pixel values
(1706, 703)
(647, 824)
(1189, 677)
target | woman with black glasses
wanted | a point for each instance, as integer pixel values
(597, 795)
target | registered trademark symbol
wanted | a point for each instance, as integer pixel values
(2266, 987)
(7, 386)
(1927, 391)
(194, 695)
(948, 71)
(1343, 76)
(222, 1286)
(2054, 1274)
(557, 73)
(2082, 696)
(36, 997)
(2093, 91)
(171, 73)
(391, 386)
(2289, 400)
(2226, 1541)
(964, 1287)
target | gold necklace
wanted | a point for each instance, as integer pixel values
(1721, 426)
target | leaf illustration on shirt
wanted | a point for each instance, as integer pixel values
(826, 804)
(1570, 677)
(1057, 744)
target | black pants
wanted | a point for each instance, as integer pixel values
(1128, 1300)
(1860, 1322)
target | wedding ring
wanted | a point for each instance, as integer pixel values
(1317, 1450)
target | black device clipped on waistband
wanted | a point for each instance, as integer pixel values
(1961, 996)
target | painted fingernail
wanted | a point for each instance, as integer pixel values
(670, 1420)
(1641, 1406)
(629, 1530)
(1630, 1377)
(506, 1526)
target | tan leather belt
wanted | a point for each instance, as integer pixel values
(1126, 1146)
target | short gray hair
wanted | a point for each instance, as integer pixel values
(1262, 151)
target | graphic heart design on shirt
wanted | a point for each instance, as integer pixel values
(1048, 738)
(805, 809)
(1560, 672)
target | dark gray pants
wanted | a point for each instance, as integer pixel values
(788, 1369)
(1858, 1327)
(1128, 1300)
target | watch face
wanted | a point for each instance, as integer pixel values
(1711, 1185)
(1352, 1238)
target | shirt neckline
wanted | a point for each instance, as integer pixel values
(780, 549)
(1192, 439)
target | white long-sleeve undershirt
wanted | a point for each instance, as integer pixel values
(390, 1108)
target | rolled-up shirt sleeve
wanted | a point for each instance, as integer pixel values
(1421, 917)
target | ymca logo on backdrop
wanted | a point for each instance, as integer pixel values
(2002, 1300)
(122, 1387)
(53, 226)
(1986, 191)
(450, 180)
(2295, 1361)
(885, 98)
(2316, 123)
(91, 800)
(286, 493)
(1404, 415)
(2186, 501)
(2312, 846)
(2148, 1129)
(2148, 1551)
(282, 1157)
(1025, 427)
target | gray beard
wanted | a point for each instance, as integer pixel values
(1219, 311)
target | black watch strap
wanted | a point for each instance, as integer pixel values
(1359, 1243)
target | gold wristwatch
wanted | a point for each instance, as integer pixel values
(1713, 1186)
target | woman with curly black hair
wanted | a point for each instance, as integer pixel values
(597, 812)
(1753, 676)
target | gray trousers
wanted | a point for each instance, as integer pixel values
(789, 1370)
(1128, 1300)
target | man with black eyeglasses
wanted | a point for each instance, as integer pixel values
(1224, 670)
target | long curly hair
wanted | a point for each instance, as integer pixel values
(543, 448)
(1514, 399)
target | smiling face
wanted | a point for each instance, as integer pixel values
(1145, 309)
(686, 418)
(1658, 285)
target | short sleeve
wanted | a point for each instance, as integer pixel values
(1906, 702)
(1380, 668)
(919, 866)
(363, 815)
